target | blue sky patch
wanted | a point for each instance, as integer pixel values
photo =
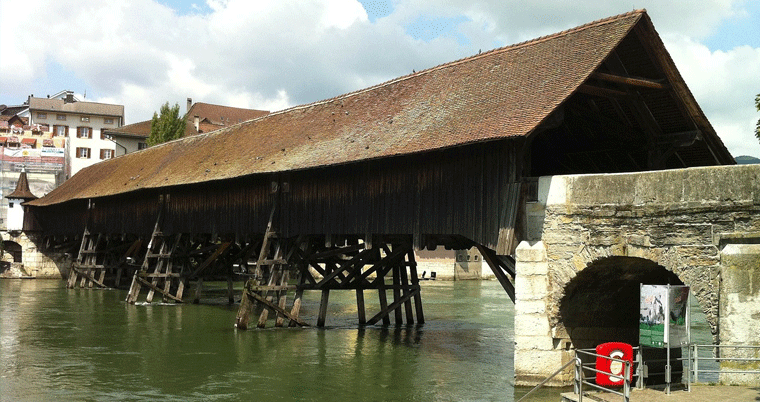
(185, 7)
(429, 28)
(738, 31)
(59, 78)
(377, 8)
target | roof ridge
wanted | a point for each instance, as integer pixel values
(226, 107)
(502, 49)
(426, 71)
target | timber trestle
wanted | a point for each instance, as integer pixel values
(102, 260)
(354, 263)
(381, 266)
(172, 260)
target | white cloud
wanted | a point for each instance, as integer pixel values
(270, 54)
(725, 85)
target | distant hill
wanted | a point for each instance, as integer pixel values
(746, 160)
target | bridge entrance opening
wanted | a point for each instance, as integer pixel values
(601, 304)
(11, 251)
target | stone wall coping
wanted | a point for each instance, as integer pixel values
(691, 187)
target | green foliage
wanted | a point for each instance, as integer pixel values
(167, 126)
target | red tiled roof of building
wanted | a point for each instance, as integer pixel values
(142, 130)
(217, 116)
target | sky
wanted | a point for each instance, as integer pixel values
(273, 54)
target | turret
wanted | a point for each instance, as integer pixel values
(15, 210)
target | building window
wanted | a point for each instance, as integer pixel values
(106, 153)
(142, 145)
(107, 120)
(42, 115)
(61, 131)
(84, 132)
(85, 119)
(61, 117)
(83, 153)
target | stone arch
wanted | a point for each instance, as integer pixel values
(12, 252)
(697, 266)
(601, 303)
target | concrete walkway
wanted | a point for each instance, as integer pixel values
(699, 392)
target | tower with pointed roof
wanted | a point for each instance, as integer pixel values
(21, 194)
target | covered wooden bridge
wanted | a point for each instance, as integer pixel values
(338, 194)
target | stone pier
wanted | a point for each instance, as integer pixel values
(23, 256)
(594, 238)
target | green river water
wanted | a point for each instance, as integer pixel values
(89, 345)
(61, 344)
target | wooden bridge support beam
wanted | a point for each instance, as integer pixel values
(339, 264)
(503, 267)
(101, 260)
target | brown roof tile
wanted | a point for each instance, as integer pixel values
(502, 93)
(142, 130)
(91, 108)
(22, 190)
(219, 115)
(212, 117)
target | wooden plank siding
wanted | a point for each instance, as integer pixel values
(460, 191)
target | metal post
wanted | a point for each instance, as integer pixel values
(667, 368)
(579, 365)
(627, 382)
(639, 369)
(688, 368)
(696, 363)
(667, 341)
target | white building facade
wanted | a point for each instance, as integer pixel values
(82, 124)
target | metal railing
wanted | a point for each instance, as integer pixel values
(637, 368)
(694, 360)
(541, 384)
(627, 374)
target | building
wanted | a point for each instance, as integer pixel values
(200, 118)
(129, 138)
(32, 149)
(21, 194)
(82, 123)
(207, 117)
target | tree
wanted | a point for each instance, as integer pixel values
(167, 126)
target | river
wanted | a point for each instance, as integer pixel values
(83, 344)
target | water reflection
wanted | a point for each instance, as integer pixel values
(88, 344)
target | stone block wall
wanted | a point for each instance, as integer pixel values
(740, 311)
(453, 264)
(536, 354)
(682, 220)
(35, 262)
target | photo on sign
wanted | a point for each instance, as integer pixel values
(652, 315)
